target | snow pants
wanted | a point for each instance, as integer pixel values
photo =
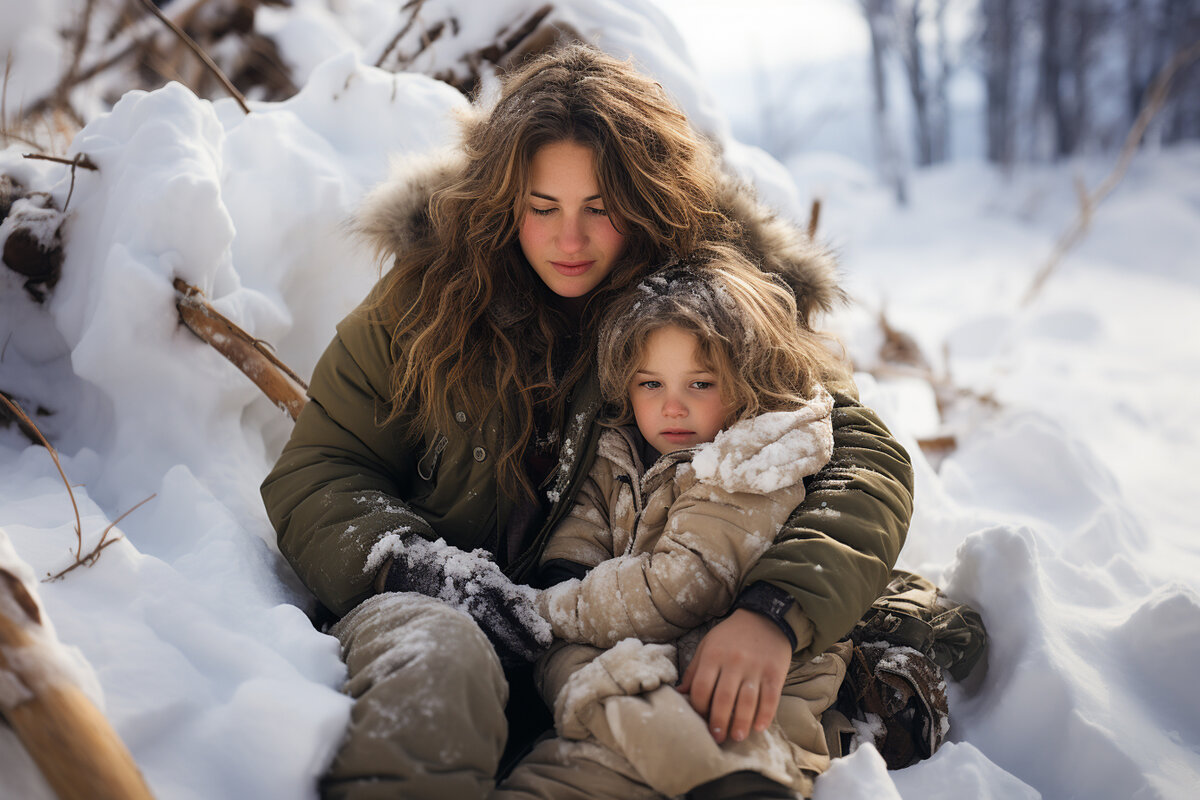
(429, 693)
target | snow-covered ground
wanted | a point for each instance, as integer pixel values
(1064, 515)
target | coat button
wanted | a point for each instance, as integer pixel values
(460, 417)
(479, 453)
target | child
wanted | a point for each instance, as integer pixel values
(724, 386)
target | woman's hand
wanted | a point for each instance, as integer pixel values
(736, 677)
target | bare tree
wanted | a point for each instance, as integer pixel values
(1049, 112)
(880, 16)
(1182, 29)
(909, 16)
(946, 65)
(1000, 41)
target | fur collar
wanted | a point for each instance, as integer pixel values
(393, 216)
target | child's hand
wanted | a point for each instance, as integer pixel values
(736, 677)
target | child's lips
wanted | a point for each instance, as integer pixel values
(677, 434)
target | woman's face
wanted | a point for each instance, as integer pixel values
(566, 234)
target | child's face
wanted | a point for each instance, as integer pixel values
(676, 401)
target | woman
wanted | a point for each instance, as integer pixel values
(454, 412)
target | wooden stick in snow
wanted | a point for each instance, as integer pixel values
(69, 740)
(250, 355)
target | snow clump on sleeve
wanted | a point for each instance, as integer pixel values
(771, 451)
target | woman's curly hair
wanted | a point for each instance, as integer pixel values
(473, 325)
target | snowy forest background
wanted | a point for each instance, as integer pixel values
(1014, 191)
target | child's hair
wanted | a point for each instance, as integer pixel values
(745, 321)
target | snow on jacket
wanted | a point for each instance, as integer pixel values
(344, 481)
(670, 545)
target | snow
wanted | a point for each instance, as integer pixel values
(771, 451)
(1065, 515)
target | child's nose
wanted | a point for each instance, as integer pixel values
(673, 408)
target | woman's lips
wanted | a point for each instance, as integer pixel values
(572, 268)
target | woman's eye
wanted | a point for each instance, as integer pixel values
(598, 212)
(541, 212)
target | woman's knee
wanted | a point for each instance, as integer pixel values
(423, 639)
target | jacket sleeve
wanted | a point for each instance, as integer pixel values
(835, 553)
(333, 493)
(711, 538)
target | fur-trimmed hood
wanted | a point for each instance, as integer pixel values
(393, 217)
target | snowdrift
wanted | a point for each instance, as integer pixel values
(1064, 514)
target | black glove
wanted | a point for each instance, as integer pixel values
(474, 584)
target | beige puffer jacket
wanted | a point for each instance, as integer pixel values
(670, 546)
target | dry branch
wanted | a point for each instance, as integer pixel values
(81, 560)
(69, 740)
(203, 56)
(415, 5)
(250, 355)
(1088, 202)
(80, 160)
(104, 542)
(32, 431)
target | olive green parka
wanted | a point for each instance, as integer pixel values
(344, 480)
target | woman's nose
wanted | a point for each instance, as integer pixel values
(571, 236)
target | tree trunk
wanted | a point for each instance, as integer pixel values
(887, 151)
(1050, 114)
(941, 88)
(1000, 40)
(914, 69)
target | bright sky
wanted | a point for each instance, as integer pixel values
(722, 34)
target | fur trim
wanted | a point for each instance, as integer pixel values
(778, 246)
(394, 215)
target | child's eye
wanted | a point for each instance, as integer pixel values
(650, 384)
(702, 385)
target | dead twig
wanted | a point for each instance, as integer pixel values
(415, 5)
(104, 542)
(1159, 91)
(80, 160)
(814, 217)
(29, 427)
(203, 56)
(81, 560)
(8, 61)
(252, 356)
